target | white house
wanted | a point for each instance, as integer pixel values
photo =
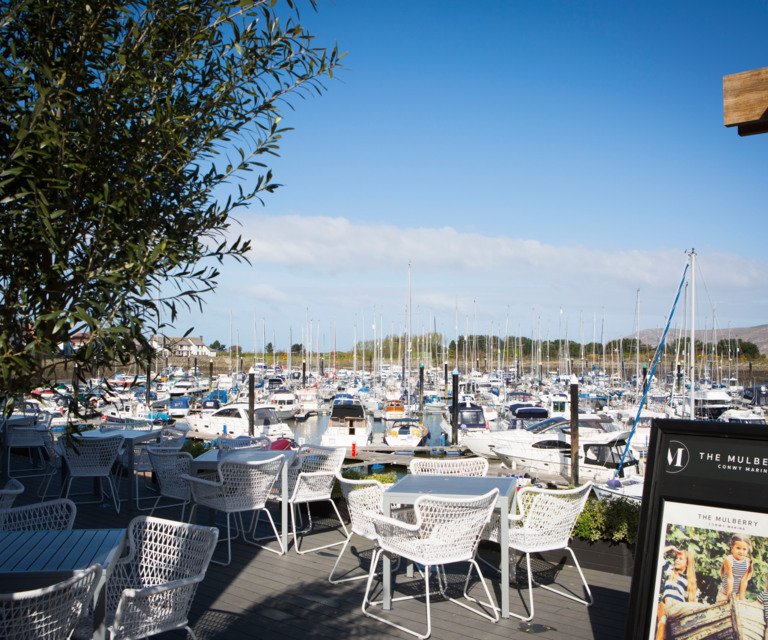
(190, 346)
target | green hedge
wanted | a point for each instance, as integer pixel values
(613, 520)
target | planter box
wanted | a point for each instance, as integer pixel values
(602, 555)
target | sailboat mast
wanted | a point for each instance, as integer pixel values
(692, 363)
(637, 350)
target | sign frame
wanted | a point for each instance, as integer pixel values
(717, 466)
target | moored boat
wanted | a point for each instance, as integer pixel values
(348, 424)
(405, 432)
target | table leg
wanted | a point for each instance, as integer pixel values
(284, 507)
(504, 542)
(132, 495)
(386, 567)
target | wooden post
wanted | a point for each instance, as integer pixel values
(455, 408)
(75, 389)
(303, 373)
(575, 434)
(210, 373)
(421, 390)
(251, 400)
(149, 386)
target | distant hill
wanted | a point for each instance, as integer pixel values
(758, 335)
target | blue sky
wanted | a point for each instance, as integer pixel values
(536, 162)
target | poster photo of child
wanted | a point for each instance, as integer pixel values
(710, 560)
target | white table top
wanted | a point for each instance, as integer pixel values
(410, 487)
(129, 435)
(211, 458)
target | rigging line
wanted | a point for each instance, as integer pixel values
(703, 281)
(659, 350)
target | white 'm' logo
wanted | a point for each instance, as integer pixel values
(677, 457)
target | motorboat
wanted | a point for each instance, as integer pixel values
(348, 424)
(599, 457)
(285, 402)
(180, 406)
(308, 403)
(471, 421)
(405, 432)
(485, 443)
(232, 420)
(743, 416)
(188, 386)
(393, 410)
(630, 489)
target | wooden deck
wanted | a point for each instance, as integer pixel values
(263, 595)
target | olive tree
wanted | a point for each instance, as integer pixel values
(121, 124)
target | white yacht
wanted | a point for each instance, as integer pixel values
(405, 432)
(348, 425)
(188, 386)
(485, 443)
(232, 420)
(285, 402)
(599, 457)
(472, 420)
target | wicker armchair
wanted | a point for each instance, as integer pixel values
(311, 477)
(28, 432)
(240, 487)
(93, 458)
(9, 492)
(50, 613)
(150, 591)
(544, 521)
(169, 465)
(459, 467)
(54, 514)
(446, 530)
(364, 498)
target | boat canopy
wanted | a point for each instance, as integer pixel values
(181, 402)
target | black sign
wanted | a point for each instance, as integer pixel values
(701, 563)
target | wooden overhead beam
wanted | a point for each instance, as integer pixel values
(745, 101)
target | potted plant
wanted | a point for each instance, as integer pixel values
(605, 534)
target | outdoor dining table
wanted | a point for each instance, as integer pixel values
(131, 437)
(209, 461)
(34, 559)
(410, 487)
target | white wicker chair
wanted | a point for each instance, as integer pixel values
(54, 514)
(240, 487)
(446, 530)
(544, 521)
(311, 477)
(364, 498)
(150, 590)
(169, 465)
(9, 492)
(93, 458)
(30, 433)
(257, 442)
(170, 439)
(458, 467)
(50, 613)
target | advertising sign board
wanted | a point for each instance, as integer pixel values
(701, 563)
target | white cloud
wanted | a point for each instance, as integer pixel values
(342, 271)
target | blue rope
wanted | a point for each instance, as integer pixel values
(653, 370)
